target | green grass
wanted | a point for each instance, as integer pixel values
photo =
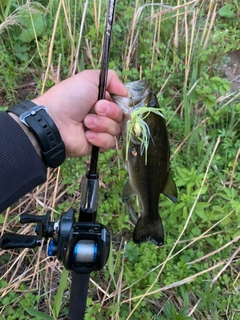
(179, 49)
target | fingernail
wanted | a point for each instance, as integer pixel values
(102, 108)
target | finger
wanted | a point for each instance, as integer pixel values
(102, 124)
(114, 85)
(104, 141)
(108, 109)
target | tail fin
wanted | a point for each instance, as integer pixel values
(145, 231)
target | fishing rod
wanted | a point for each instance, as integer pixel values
(82, 244)
(89, 204)
(103, 73)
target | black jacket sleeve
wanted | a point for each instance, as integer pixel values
(21, 168)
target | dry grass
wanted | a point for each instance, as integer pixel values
(16, 18)
(41, 273)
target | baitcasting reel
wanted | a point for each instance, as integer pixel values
(82, 244)
(83, 247)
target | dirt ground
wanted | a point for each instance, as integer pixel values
(232, 69)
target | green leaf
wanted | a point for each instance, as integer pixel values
(196, 231)
(38, 314)
(210, 101)
(202, 205)
(172, 314)
(201, 214)
(4, 2)
(59, 295)
(226, 221)
(218, 209)
(227, 11)
(110, 264)
(203, 191)
(37, 28)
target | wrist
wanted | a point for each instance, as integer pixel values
(27, 132)
(42, 131)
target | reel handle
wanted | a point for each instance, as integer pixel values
(11, 240)
(29, 218)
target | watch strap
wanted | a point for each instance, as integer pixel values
(37, 119)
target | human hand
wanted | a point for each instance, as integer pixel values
(69, 104)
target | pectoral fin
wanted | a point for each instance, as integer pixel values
(170, 189)
(127, 192)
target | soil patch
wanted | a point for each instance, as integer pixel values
(231, 69)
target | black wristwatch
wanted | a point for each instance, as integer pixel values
(38, 121)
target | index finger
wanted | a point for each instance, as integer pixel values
(108, 109)
(114, 84)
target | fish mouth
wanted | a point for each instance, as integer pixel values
(137, 91)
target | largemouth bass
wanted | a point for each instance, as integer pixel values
(146, 157)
